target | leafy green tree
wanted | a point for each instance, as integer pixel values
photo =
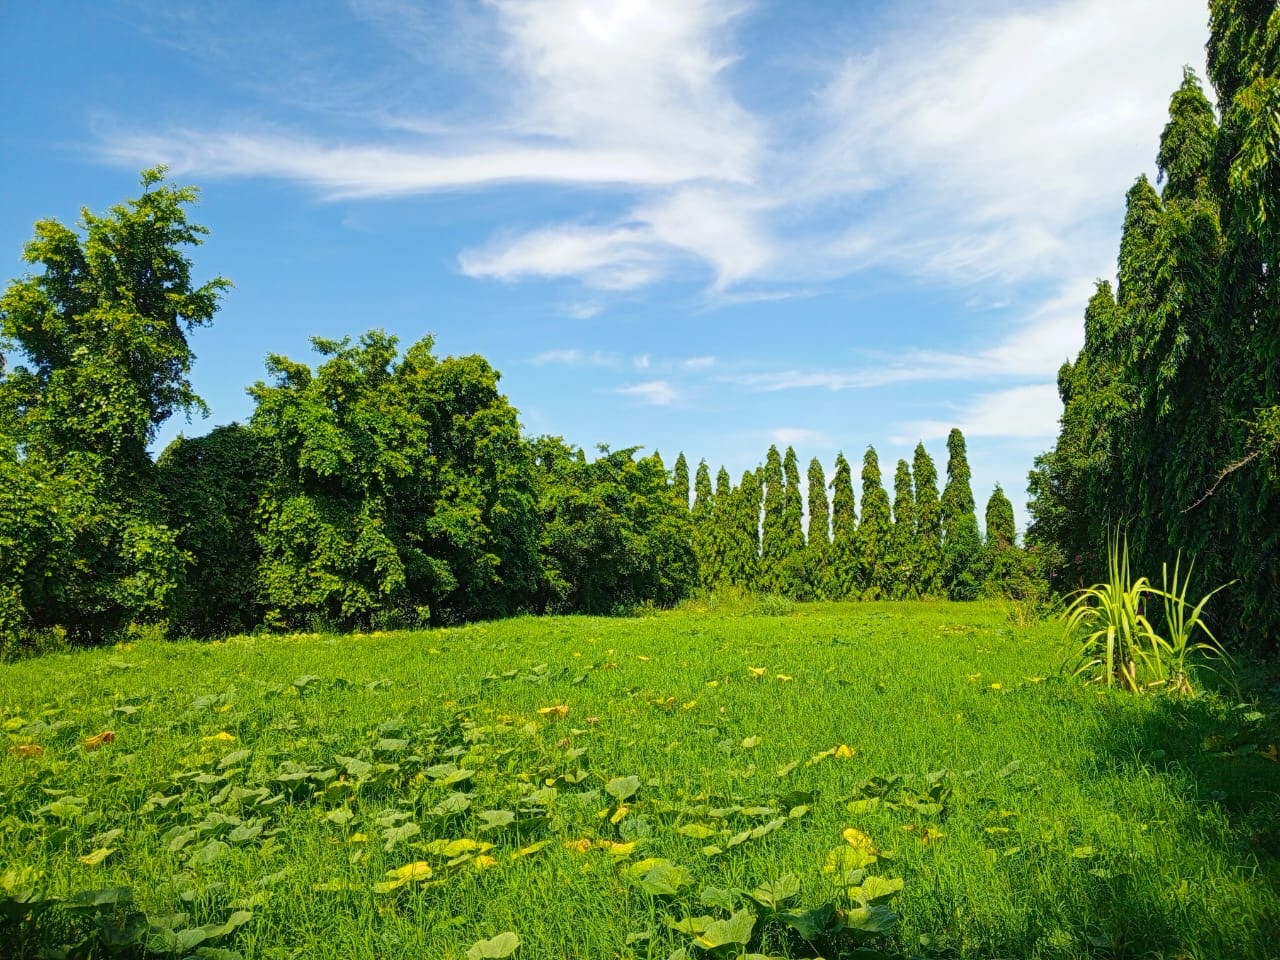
(211, 487)
(612, 536)
(680, 481)
(927, 563)
(1002, 531)
(962, 553)
(794, 574)
(704, 538)
(818, 548)
(902, 538)
(873, 533)
(399, 489)
(101, 332)
(744, 554)
(774, 541)
(844, 575)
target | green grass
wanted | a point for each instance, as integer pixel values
(1074, 821)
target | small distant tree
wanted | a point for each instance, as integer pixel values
(680, 481)
(873, 534)
(773, 541)
(843, 577)
(962, 553)
(703, 532)
(818, 548)
(902, 539)
(928, 540)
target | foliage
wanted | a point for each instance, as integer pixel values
(1169, 407)
(397, 487)
(612, 536)
(211, 487)
(902, 537)
(1121, 641)
(963, 558)
(102, 333)
(843, 572)
(928, 542)
(873, 533)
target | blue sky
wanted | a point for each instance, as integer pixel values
(697, 226)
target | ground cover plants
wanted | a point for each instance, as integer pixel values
(880, 779)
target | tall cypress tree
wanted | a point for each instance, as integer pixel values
(962, 558)
(773, 541)
(793, 576)
(873, 534)
(703, 520)
(1001, 530)
(902, 553)
(745, 567)
(680, 481)
(842, 569)
(819, 546)
(928, 542)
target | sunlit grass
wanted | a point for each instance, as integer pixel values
(1072, 821)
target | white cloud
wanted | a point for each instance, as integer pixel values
(641, 361)
(576, 358)
(584, 309)
(699, 363)
(795, 436)
(659, 393)
(611, 258)
(1029, 411)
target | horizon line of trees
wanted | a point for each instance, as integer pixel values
(380, 487)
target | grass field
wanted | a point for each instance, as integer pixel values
(692, 781)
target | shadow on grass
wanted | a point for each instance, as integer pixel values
(1221, 758)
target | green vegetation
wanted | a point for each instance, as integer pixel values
(633, 788)
(1172, 407)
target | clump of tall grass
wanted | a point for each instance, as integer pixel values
(1120, 645)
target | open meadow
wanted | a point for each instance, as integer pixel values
(713, 783)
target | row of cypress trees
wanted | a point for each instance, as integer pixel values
(752, 535)
(1171, 422)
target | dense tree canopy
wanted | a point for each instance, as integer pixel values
(1171, 419)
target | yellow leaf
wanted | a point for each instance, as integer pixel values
(621, 849)
(359, 838)
(559, 711)
(1272, 752)
(997, 686)
(665, 702)
(784, 678)
(844, 752)
(94, 742)
(619, 814)
(757, 671)
(929, 835)
(643, 659)
(578, 846)
(220, 737)
(418, 870)
(689, 706)
(713, 683)
(858, 839)
(530, 850)
(27, 750)
(95, 858)
(484, 862)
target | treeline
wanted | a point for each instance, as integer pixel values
(381, 488)
(1171, 426)
(754, 536)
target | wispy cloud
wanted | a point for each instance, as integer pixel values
(699, 363)
(1029, 411)
(658, 393)
(796, 436)
(988, 146)
(574, 357)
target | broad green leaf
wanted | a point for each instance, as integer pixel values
(737, 929)
(495, 948)
(622, 788)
